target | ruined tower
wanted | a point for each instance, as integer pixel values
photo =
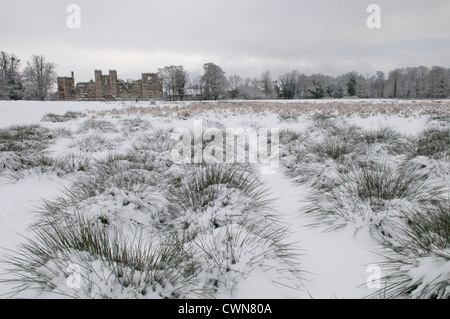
(113, 89)
(66, 87)
(151, 86)
(99, 93)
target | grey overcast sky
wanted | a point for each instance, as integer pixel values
(245, 37)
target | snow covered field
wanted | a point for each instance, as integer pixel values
(92, 205)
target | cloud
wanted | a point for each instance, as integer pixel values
(244, 37)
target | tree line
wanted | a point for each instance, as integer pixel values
(37, 82)
(402, 83)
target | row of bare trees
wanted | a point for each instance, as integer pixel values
(35, 82)
(405, 83)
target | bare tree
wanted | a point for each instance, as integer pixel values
(40, 77)
(235, 82)
(379, 84)
(267, 84)
(437, 82)
(174, 79)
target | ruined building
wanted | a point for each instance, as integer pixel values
(109, 87)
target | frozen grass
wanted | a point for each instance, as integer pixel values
(285, 111)
(373, 197)
(110, 265)
(93, 143)
(68, 116)
(202, 229)
(132, 125)
(433, 142)
(139, 226)
(388, 139)
(419, 266)
(356, 172)
(393, 185)
(98, 126)
(22, 147)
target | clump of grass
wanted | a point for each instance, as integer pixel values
(322, 153)
(223, 209)
(236, 251)
(132, 125)
(387, 138)
(68, 116)
(373, 197)
(61, 166)
(323, 120)
(110, 265)
(98, 126)
(332, 147)
(152, 151)
(288, 117)
(210, 227)
(62, 132)
(24, 138)
(203, 184)
(128, 193)
(92, 144)
(73, 162)
(433, 142)
(22, 147)
(337, 141)
(288, 136)
(386, 183)
(419, 266)
(384, 134)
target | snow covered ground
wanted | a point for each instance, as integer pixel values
(332, 264)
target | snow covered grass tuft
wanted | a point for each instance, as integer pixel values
(202, 184)
(132, 125)
(22, 147)
(387, 138)
(108, 264)
(224, 210)
(419, 266)
(68, 116)
(138, 225)
(433, 142)
(203, 230)
(393, 185)
(363, 177)
(373, 197)
(92, 143)
(97, 126)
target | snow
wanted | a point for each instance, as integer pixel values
(336, 261)
(429, 271)
(27, 112)
(334, 264)
(18, 202)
